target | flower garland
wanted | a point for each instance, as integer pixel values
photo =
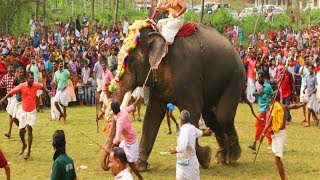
(129, 44)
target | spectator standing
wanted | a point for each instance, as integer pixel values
(310, 95)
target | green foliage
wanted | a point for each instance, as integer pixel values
(222, 18)
(191, 16)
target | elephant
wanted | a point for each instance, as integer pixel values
(200, 73)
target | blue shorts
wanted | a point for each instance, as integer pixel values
(81, 96)
(170, 106)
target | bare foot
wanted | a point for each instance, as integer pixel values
(7, 135)
(26, 157)
(65, 119)
(169, 132)
(24, 146)
(61, 116)
(303, 121)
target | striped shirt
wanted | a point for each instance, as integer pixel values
(7, 81)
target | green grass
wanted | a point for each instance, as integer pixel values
(300, 156)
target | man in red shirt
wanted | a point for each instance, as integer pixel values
(271, 34)
(28, 92)
(25, 58)
(286, 88)
(3, 67)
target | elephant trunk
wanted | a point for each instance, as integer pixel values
(104, 154)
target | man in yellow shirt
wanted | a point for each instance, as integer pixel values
(278, 124)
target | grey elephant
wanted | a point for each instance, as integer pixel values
(201, 73)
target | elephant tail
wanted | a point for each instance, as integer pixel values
(244, 97)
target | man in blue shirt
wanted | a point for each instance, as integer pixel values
(262, 91)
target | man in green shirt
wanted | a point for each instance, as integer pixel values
(63, 166)
(61, 81)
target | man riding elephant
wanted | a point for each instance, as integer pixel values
(170, 26)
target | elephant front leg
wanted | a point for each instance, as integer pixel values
(154, 114)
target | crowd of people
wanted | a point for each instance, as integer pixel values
(284, 64)
(288, 52)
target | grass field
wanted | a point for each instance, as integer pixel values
(300, 156)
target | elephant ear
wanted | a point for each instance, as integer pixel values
(157, 49)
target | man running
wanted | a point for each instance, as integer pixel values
(28, 92)
(61, 81)
(7, 81)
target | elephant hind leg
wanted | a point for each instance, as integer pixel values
(225, 113)
(211, 121)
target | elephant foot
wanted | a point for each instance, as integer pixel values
(221, 156)
(204, 156)
(233, 154)
(142, 165)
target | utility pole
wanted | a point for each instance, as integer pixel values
(44, 9)
(92, 10)
(202, 11)
(37, 10)
(116, 11)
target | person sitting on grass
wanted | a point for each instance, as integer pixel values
(4, 164)
(170, 108)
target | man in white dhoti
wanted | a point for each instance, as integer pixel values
(170, 26)
(7, 82)
(278, 124)
(28, 114)
(61, 77)
(187, 162)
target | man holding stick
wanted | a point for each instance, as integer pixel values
(277, 122)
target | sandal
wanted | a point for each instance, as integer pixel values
(307, 125)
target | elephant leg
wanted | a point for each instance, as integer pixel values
(211, 121)
(225, 113)
(154, 114)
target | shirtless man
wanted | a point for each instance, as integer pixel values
(170, 26)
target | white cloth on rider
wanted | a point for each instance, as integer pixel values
(169, 27)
